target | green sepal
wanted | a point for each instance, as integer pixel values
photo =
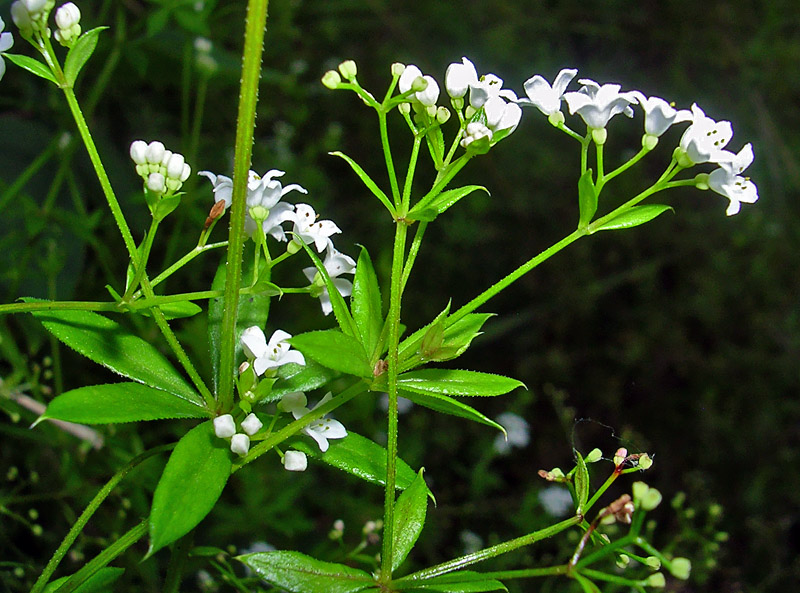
(453, 407)
(409, 519)
(581, 481)
(107, 343)
(335, 350)
(429, 207)
(165, 206)
(587, 199)
(117, 403)
(193, 480)
(456, 382)
(366, 304)
(633, 216)
(32, 65)
(359, 456)
(80, 53)
(298, 573)
(367, 181)
(99, 582)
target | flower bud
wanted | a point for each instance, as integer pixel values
(295, 461)
(652, 562)
(139, 152)
(155, 152)
(442, 114)
(593, 456)
(348, 69)
(331, 79)
(21, 18)
(224, 426)
(156, 183)
(251, 424)
(646, 498)
(67, 16)
(240, 444)
(680, 568)
(620, 456)
(175, 166)
(655, 580)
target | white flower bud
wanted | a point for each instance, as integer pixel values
(295, 461)
(187, 170)
(165, 158)
(21, 17)
(251, 424)
(67, 16)
(139, 152)
(156, 183)
(240, 444)
(175, 165)
(155, 152)
(224, 426)
(34, 5)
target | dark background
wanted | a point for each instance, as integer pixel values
(679, 338)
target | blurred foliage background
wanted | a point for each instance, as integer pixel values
(681, 338)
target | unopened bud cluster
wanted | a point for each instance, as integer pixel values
(163, 171)
(31, 16)
(68, 18)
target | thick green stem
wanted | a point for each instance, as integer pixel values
(245, 126)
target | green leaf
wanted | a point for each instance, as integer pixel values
(193, 479)
(32, 65)
(465, 581)
(335, 350)
(581, 481)
(633, 216)
(456, 382)
(453, 407)
(80, 53)
(107, 343)
(178, 310)
(360, 457)
(119, 402)
(438, 203)
(410, 347)
(365, 303)
(298, 573)
(587, 199)
(371, 185)
(253, 310)
(297, 377)
(409, 519)
(99, 582)
(455, 340)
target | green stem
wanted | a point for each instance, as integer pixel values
(185, 260)
(493, 551)
(90, 509)
(393, 320)
(59, 306)
(602, 180)
(255, 26)
(387, 155)
(143, 258)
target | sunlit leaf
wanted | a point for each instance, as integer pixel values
(298, 573)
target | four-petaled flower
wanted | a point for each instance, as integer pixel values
(659, 115)
(427, 96)
(310, 230)
(597, 104)
(336, 264)
(727, 180)
(704, 140)
(459, 78)
(320, 430)
(268, 355)
(6, 41)
(544, 97)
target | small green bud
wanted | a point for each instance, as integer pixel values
(649, 141)
(332, 80)
(652, 562)
(701, 181)
(655, 580)
(397, 69)
(404, 108)
(646, 498)
(419, 84)
(680, 568)
(556, 119)
(457, 103)
(442, 115)
(348, 69)
(593, 456)
(645, 461)
(599, 135)
(623, 560)
(259, 213)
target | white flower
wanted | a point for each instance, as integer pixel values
(727, 180)
(459, 77)
(268, 355)
(474, 132)
(518, 433)
(224, 426)
(267, 191)
(704, 140)
(659, 115)
(320, 430)
(295, 461)
(598, 104)
(336, 264)
(240, 444)
(6, 41)
(488, 86)
(501, 115)
(557, 501)
(251, 424)
(428, 96)
(545, 97)
(310, 230)
(222, 187)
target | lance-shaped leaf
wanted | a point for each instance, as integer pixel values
(119, 402)
(32, 65)
(358, 456)
(298, 573)
(80, 53)
(633, 217)
(409, 519)
(107, 343)
(453, 407)
(581, 480)
(455, 339)
(429, 207)
(335, 350)
(99, 582)
(193, 479)
(587, 198)
(367, 181)
(456, 382)
(365, 303)
(465, 581)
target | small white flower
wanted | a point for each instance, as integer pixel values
(336, 264)
(556, 500)
(727, 180)
(22, 18)
(659, 115)
(320, 430)
(488, 86)
(459, 77)
(6, 41)
(269, 355)
(295, 461)
(597, 104)
(224, 426)
(518, 432)
(501, 115)
(474, 132)
(310, 230)
(704, 140)
(222, 187)
(544, 97)
(251, 424)
(240, 444)
(428, 96)
(267, 191)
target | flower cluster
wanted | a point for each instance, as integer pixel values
(68, 18)
(163, 171)
(320, 430)
(225, 428)
(31, 16)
